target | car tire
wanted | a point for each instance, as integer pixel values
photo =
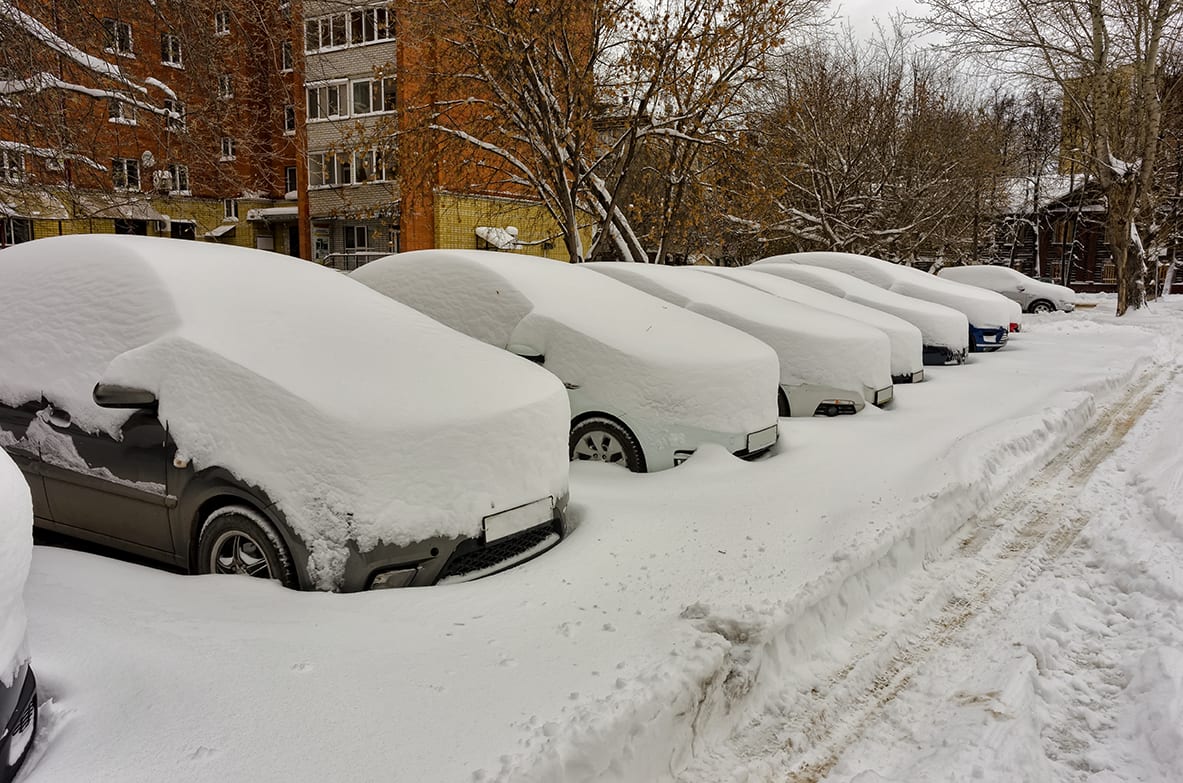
(600, 439)
(238, 540)
(1042, 306)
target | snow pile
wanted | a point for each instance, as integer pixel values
(907, 348)
(629, 351)
(362, 419)
(16, 549)
(940, 326)
(984, 309)
(814, 347)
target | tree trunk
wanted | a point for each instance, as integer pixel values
(1127, 256)
(1170, 279)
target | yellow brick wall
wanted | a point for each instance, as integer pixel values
(457, 217)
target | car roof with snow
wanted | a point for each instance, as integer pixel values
(255, 355)
(16, 552)
(814, 346)
(993, 276)
(595, 332)
(982, 308)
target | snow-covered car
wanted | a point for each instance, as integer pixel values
(1030, 294)
(228, 410)
(18, 686)
(945, 331)
(991, 316)
(907, 354)
(828, 364)
(648, 383)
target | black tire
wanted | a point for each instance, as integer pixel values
(1042, 306)
(601, 439)
(782, 404)
(238, 540)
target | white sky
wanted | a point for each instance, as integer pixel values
(861, 14)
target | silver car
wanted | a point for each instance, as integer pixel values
(1034, 296)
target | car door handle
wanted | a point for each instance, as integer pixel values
(59, 419)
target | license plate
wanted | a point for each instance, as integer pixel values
(515, 520)
(884, 395)
(762, 439)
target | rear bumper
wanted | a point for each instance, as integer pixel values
(18, 731)
(913, 377)
(879, 397)
(987, 338)
(939, 355)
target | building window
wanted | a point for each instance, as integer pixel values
(228, 148)
(222, 23)
(229, 209)
(289, 118)
(125, 173)
(373, 95)
(179, 176)
(326, 101)
(117, 37)
(226, 85)
(285, 56)
(170, 50)
(12, 166)
(120, 112)
(349, 168)
(356, 238)
(356, 28)
(17, 230)
(289, 179)
(175, 119)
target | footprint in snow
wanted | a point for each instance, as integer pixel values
(302, 667)
(202, 753)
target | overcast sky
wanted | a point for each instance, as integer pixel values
(862, 13)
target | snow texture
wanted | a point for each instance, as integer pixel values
(907, 347)
(940, 326)
(363, 420)
(623, 347)
(814, 347)
(984, 309)
(16, 552)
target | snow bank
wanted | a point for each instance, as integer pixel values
(907, 346)
(362, 419)
(940, 326)
(16, 549)
(623, 347)
(814, 347)
(984, 309)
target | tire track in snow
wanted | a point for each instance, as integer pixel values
(1005, 547)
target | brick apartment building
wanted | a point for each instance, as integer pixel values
(262, 123)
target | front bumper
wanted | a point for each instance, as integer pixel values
(756, 443)
(939, 356)
(917, 376)
(879, 397)
(987, 338)
(20, 728)
(1066, 307)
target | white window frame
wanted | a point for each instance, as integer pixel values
(170, 50)
(383, 84)
(118, 36)
(12, 166)
(329, 168)
(225, 85)
(228, 148)
(222, 22)
(357, 27)
(9, 238)
(351, 233)
(178, 124)
(179, 175)
(290, 171)
(286, 57)
(229, 209)
(322, 91)
(121, 174)
(289, 119)
(121, 112)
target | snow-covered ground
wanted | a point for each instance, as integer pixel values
(978, 582)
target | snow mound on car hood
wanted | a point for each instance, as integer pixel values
(16, 549)
(982, 308)
(813, 346)
(941, 326)
(361, 418)
(634, 350)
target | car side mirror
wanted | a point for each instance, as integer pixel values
(109, 395)
(527, 352)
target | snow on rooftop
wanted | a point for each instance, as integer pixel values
(814, 347)
(609, 339)
(16, 551)
(361, 418)
(939, 325)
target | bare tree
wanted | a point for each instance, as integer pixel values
(1106, 57)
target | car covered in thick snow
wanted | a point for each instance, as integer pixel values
(18, 686)
(907, 354)
(828, 364)
(945, 331)
(991, 317)
(1032, 295)
(648, 382)
(227, 410)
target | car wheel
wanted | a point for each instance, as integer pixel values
(1041, 306)
(598, 439)
(236, 540)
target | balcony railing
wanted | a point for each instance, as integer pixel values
(351, 259)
